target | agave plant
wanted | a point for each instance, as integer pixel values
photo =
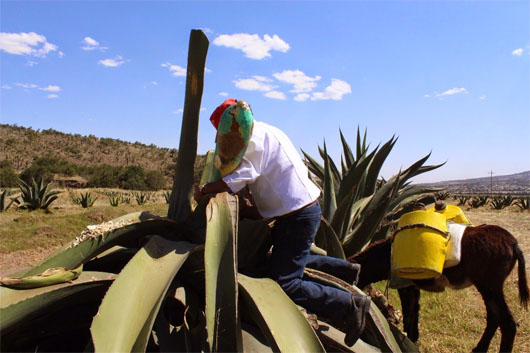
(86, 200)
(523, 203)
(36, 196)
(358, 205)
(190, 282)
(500, 202)
(167, 196)
(478, 201)
(141, 198)
(114, 200)
(463, 199)
(3, 202)
(442, 195)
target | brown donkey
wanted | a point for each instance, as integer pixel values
(489, 254)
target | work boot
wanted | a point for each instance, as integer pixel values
(355, 272)
(356, 318)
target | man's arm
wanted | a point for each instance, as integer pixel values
(211, 188)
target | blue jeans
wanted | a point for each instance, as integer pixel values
(292, 237)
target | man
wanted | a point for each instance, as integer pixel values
(261, 156)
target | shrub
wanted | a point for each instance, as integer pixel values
(104, 176)
(8, 177)
(155, 180)
(132, 178)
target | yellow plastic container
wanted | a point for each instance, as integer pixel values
(419, 252)
(452, 213)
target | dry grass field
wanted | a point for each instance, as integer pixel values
(452, 321)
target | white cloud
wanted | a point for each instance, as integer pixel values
(112, 62)
(252, 45)
(92, 44)
(275, 95)
(256, 83)
(518, 52)
(6, 87)
(452, 91)
(60, 53)
(32, 44)
(224, 94)
(154, 83)
(300, 81)
(482, 98)
(51, 96)
(178, 111)
(175, 69)
(51, 88)
(31, 63)
(203, 109)
(301, 97)
(26, 85)
(335, 91)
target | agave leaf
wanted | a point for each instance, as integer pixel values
(348, 154)
(71, 256)
(209, 170)
(19, 307)
(180, 200)
(328, 240)
(333, 340)
(314, 167)
(330, 202)
(371, 217)
(220, 264)
(253, 340)
(375, 166)
(127, 312)
(47, 278)
(352, 180)
(334, 172)
(377, 331)
(277, 315)
(253, 243)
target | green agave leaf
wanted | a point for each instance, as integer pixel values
(220, 264)
(377, 331)
(348, 154)
(352, 179)
(327, 239)
(253, 243)
(334, 171)
(314, 166)
(71, 256)
(209, 170)
(371, 217)
(127, 312)
(333, 340)
(180, 200)
(330, 202)
(375, 166)
(19, 307)
(253, 340)
(281, 322)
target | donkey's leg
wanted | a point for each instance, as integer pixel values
(492, 318)
(410, 305)
(507, 324)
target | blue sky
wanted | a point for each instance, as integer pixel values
(448, 77)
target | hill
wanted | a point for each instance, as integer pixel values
(518, 183)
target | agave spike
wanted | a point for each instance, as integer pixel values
(180, 203)
(348, 154)
(330, 202)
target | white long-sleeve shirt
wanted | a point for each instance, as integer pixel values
(275, 173)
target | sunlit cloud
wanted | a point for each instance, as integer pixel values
(52, 96)
(31, 63)
(51, 88)
(300, 81)
(178, 111)
(154, 83)
(302, 97)
(92, 44)
(176, 70)
(6, 87)
(482, 98)
(252, 45)
(518, 52)
(449, 92)
(223, 94)
(26, 85)
(275, 95)
(256, 83)
(117, 61)
(335, 91)
(31, 44)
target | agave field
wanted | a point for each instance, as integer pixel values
(196, 279)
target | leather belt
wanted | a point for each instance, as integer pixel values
(298, 210)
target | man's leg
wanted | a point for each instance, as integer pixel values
(292, 238)
(340, 268)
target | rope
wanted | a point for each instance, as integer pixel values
(420, 225)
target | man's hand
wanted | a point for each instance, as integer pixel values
(210, 188)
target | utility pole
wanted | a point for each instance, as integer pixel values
(491, 183)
